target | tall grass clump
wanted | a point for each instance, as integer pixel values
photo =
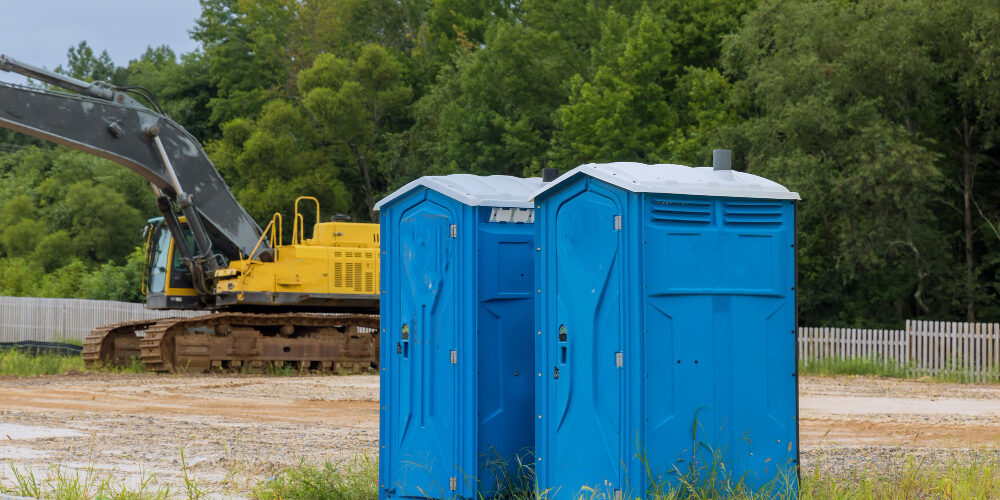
(975, 478)
(879, 368)
(712, 479)
(133, 365)
(350, 480)
(31, 364)
(23, 364)
(515, 479)
(58, 483)
(841, 366)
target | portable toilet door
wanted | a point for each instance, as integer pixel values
(665, 324)
(456, 325)
(579, 431)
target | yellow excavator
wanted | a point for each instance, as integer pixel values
(311, 302)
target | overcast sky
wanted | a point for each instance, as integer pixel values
(39, 32)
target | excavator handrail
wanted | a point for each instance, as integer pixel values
(298, 229)
(276, 241)
(270, 226)
(298, 234)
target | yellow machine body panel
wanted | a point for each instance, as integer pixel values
(338, 264)
(306, 268)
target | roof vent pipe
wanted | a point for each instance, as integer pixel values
(722, 159)
(549, 174)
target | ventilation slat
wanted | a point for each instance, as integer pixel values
(748, 213)
(675, 211)
(338, 274)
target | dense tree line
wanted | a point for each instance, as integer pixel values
(883, 114)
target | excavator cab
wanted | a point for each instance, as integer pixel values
(167, 281)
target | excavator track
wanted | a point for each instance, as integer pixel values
(116, 344)
(256, 342)
(243, 342)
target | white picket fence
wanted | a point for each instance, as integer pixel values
(33, 318)
(924, 347)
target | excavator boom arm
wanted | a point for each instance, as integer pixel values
(107, 123)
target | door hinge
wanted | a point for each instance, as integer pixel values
(454, 230)
(618, 495)
(618, 223)
(619, 359)
(453, 481)
(454, 356)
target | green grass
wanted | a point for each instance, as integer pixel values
(15, 362)
(839, 366)
(23, 364)
(58, 483)
(973, 479)
(357, 479)
(353, 480)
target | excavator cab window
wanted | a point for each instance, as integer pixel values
(178, 261)
(180, 275)
(158, 259)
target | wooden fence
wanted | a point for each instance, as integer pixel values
(971, 350)
(32, 318)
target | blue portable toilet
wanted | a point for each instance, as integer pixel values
(457, 313)
(665, 328)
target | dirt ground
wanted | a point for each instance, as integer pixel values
(237, 430)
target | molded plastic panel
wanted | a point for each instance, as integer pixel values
(423, 380)
(456, 347)
(697, 294)
(583, 398)
(506, 321)
(719, 339)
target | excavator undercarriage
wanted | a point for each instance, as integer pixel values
(241, 342)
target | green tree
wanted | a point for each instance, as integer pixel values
(116, 282)
(19, 226)
(104, 227)
(182, 86)
(652, 93)
(864, 108)
(624, 113)
(65, 282)
(82, 63)
(356, 104)
(19, 277)
(53, 249)
(493, 112)
(274, 159)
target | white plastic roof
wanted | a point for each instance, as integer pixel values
(677, 179)
(475, 190)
